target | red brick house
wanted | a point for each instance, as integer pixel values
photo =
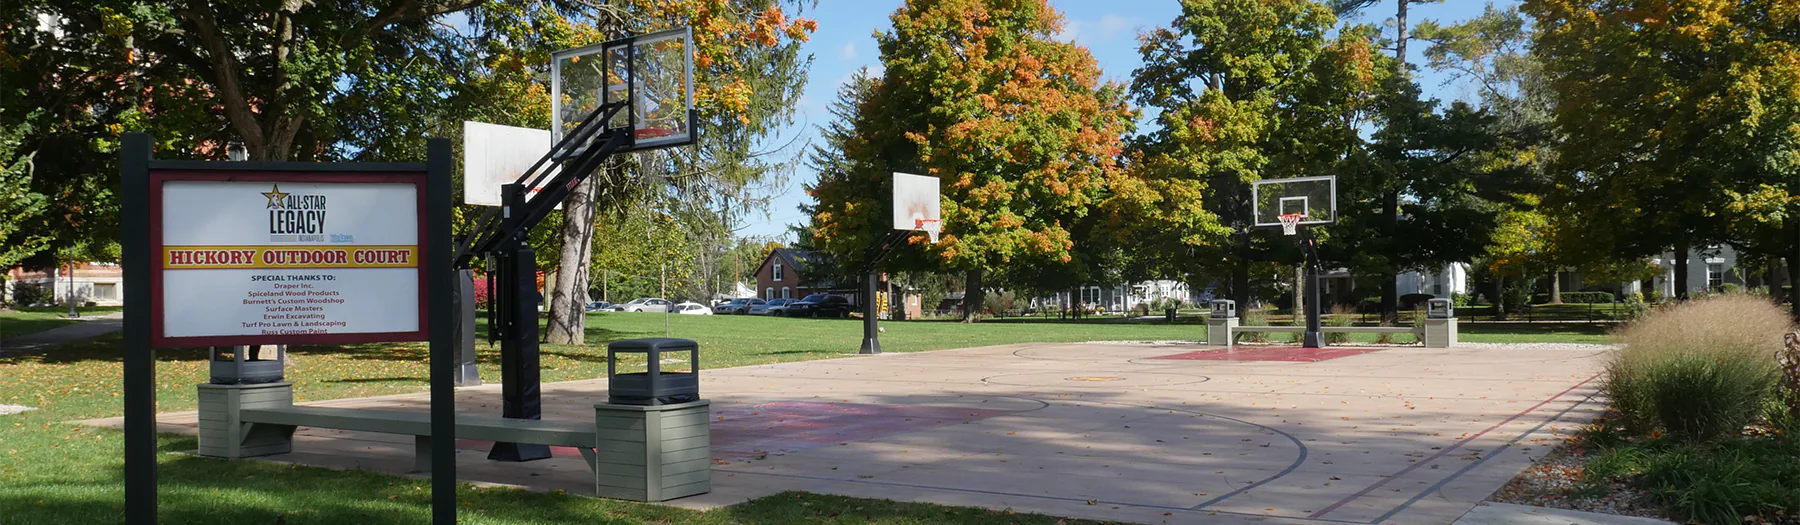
(98, 283)
(782, 275)
(779, 275)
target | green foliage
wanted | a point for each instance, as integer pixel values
(20, 207)
(1255, 317)
(1234, 107)
(1676, 119)
(1340, 316)
(1730, 288)
(29, 294)
(1014, 121)
(1579, 297)
(1710, 483)
(1460, 300)
(1699, 370)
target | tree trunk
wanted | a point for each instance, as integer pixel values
(973, 297)
(1793, 279)
(1390, 224)
(1299, 293)
(1401, 35)
(1681, 271)
(568, 294)
(1499, 297)
(1555, 287)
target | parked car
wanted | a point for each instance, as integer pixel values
(691, 308)
(739, 306)
(599, 306)
(771, 307)
(644, 304)
(820, 305)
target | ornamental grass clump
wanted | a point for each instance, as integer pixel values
(1700, 370)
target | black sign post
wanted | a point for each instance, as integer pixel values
(140, 359)
(141, 263)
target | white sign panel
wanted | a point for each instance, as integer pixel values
(496, 155)
(312, 261)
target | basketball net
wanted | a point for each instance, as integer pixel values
(932, 227)
(1290, 223)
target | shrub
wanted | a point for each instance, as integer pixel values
(1140, 310)
(1699, 370)
(29, 294)
(1517, 298)
(1461, 300)
(1587, 297)
(1256, 317)
(1730, 288)
(1414, 300)
(1654, 297)
(1340, 316)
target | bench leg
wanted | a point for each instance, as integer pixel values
(422, 453)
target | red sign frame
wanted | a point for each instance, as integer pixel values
(160, 176)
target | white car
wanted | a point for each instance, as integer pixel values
(644, 304)
(692, 309)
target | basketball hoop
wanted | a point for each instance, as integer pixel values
(931, 227)
(1290, 223)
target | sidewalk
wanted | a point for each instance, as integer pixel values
(90, 328)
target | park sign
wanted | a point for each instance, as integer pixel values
(286, 257)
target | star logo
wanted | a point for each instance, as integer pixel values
(275, 197)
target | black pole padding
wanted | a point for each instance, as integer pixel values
(139, 382)
(441, 325)
(871, 331)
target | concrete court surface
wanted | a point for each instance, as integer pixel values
(1115, 431)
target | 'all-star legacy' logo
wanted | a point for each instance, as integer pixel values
(295, 218)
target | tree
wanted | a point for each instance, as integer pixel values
(18, 204)
(1672, 115)
(1235, 107)
(748, 73)
(1016, 124)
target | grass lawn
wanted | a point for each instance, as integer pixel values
(21, 321)
(53, 472)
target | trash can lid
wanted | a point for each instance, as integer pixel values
(653, 344)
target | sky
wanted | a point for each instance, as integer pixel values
(845, 42)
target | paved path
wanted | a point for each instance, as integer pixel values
(1509, 514)
(90, 328)
(1104, 431)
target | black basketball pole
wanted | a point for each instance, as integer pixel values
(520, 396)
(871, 332)
(1312, 338)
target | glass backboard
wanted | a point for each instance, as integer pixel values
(652, 74)
(1314, 198)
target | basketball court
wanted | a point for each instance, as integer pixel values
(1136, 432)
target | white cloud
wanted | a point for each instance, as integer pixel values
(1107, 28)
(848, 53)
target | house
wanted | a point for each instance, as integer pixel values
(98, 283)
(779, 276)
(783, 275)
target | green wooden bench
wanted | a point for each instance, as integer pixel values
(1231, 338)
(418, 424)
(642, 453)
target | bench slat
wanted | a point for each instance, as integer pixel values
(554, 433)
(1329, 329)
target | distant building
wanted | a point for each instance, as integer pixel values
(780, 275)
(98, 283)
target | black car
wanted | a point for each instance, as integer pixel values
(820, 305)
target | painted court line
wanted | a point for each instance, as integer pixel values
(1471, 466)
(1446, 451)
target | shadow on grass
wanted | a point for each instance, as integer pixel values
(404, 379)
(1536, 329)
(102, 348)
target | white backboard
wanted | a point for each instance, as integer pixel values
(916, 198)
(653, 72)
(495, 155)
(1313, 198)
